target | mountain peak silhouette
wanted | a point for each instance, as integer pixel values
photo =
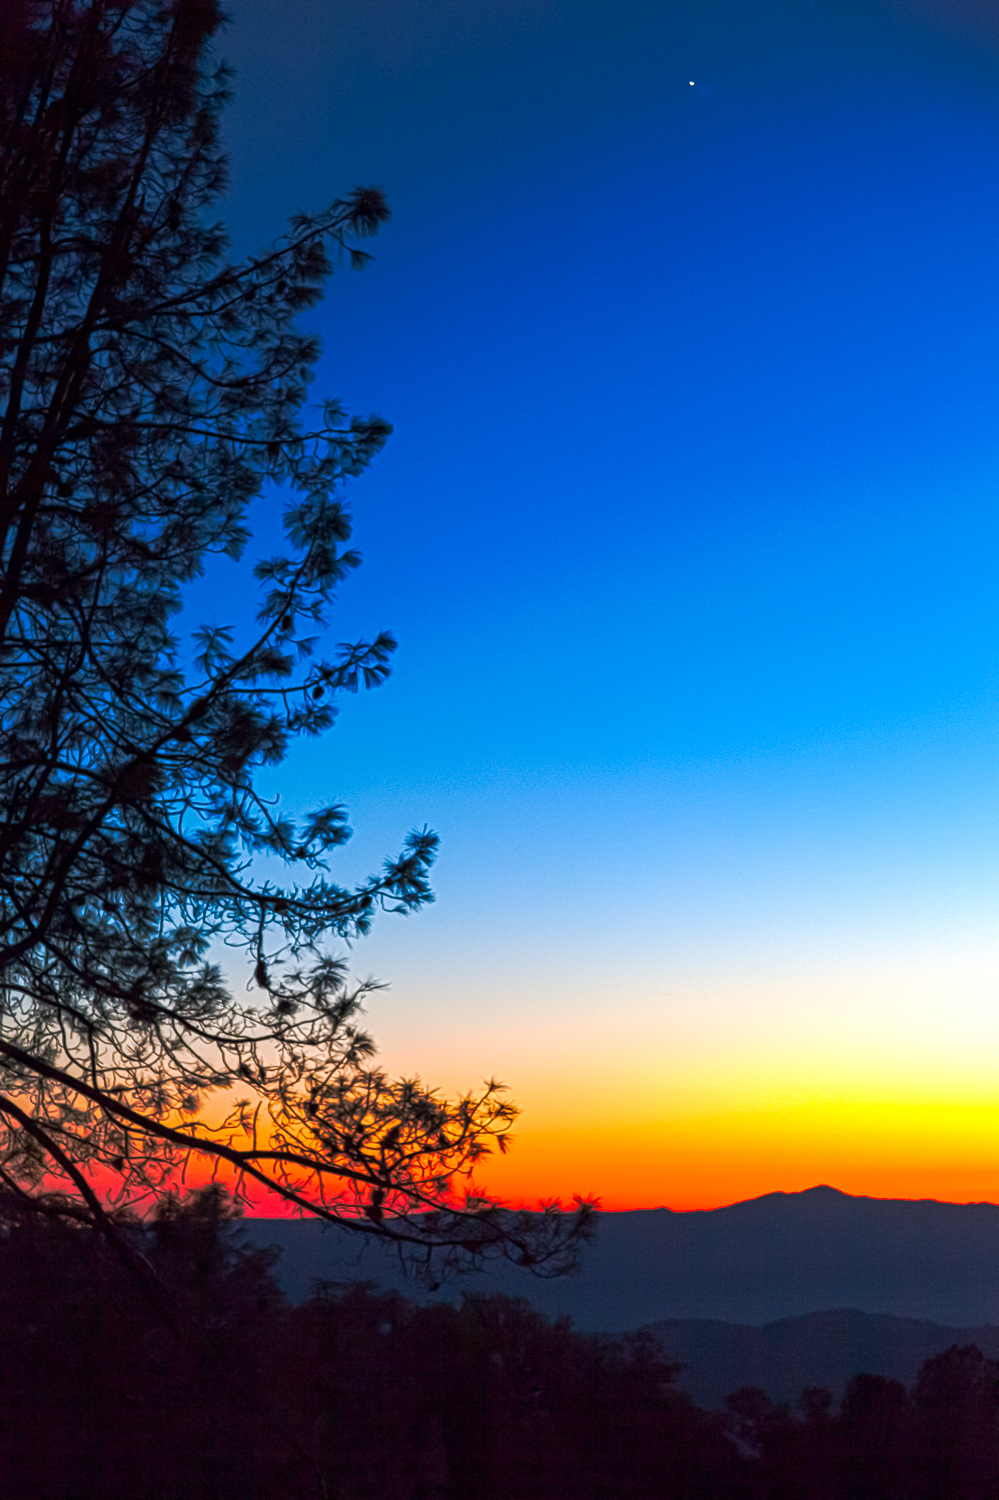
(782, 1255)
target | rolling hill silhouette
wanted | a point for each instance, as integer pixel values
(776, 1257)
(784, 1292)
(790, 1355)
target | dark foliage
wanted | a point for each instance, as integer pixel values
(150, 391)
(205, 1385)
(939, 1442)
(352, 1394)
(956, 1404)
(877, 1439)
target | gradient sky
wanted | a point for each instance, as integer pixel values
(688, 322)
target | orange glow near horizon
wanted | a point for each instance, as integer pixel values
(705, 1161)
(699, 1136)
(950, 1153)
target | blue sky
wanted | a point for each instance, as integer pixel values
(688, 532)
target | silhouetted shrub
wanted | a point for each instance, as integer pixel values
(957, 1418)
(877, 1434)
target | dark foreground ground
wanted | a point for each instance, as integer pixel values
(198, 1380)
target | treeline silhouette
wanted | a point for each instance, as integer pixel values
(176, 1371)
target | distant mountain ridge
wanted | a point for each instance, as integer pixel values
(790, 1355)
(777, 1257)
